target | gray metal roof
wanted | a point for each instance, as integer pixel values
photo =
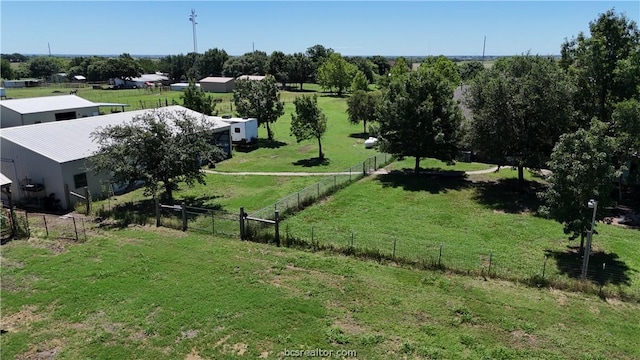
(216, 79)
(69, 140)
(4, 180)
(46, 103)
(251, 77)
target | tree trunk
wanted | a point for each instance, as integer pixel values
(364, 131)
(168, 191)
(521, 176)
(581, 251)
(416, 170)
(320, 154)
(301, 86)
(269, 133)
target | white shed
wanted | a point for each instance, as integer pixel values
(243, 130)
(41, 159)
(18, 112)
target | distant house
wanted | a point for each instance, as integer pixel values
(217, 84)
(144, 80)
(18, 112)
(53, 157)
(251, 77)
(79, 78)
(459, 97)
(180, 86)
(20, 83)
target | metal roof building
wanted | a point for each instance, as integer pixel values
(217, 84)
(18, 112)
(55, 154)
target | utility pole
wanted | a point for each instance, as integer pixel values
(484, 44)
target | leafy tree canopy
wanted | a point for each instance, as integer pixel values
(308, 121)
(158, 147)
(259, 99)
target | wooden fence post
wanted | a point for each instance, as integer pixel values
(184, 216)
(277, 224)
(46, 228)
(157, 200)
(242, 234)
(75, 228)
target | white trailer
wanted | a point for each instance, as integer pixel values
(243, 131)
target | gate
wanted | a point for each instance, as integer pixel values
(244, 218)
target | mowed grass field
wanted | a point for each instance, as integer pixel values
(480, 223)
(150, 293)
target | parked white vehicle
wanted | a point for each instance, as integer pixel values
(370, 142)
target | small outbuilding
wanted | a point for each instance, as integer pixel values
(251, 77)
(18, 112)
(180, 86)
(217, 84)
(142, 81)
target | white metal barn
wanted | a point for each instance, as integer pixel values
(243, 131)
(18, 112)
(41, 159)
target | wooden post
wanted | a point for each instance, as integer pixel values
(75, 228)
(87, 199)
(375, 163)
(364, 172)
(184, 216)
(440, 256)
(157, 200)
(26, 219)
(277, 219)
(241, 221)
(46, 228)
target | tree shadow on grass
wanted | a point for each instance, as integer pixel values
(316, 161)
(614, 271)
(506, 195)
(433, 182)
(359, 135)
(260, 144)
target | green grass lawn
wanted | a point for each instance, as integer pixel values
(473, 219)
(161, 294)
(226, 192)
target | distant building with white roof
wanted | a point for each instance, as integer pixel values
(45, 157)
(18, 112)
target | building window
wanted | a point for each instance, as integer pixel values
(236, 130)
(66, 115)
(80, 180)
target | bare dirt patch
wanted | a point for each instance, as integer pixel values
(20, 320)
(561, 298)
(221, 341)
(524, 338)
(193, 355)
(46, 351)
(349, 325)
(237, 349)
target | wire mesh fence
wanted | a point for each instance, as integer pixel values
(50, 226)
(563, 269)
(326, 186)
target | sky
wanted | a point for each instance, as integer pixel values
(352, 28)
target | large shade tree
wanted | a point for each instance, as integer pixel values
(336, 74)
(308, 121)
(300, 68)
(520, 108)
(605, 65)
(361, 106)
(160, 147)
(581, 169)
(259, 99)
(194, 98)
(418, 116)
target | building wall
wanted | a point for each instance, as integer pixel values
(19, 163)
(217, 87)
(9, 118)
(94, 182)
